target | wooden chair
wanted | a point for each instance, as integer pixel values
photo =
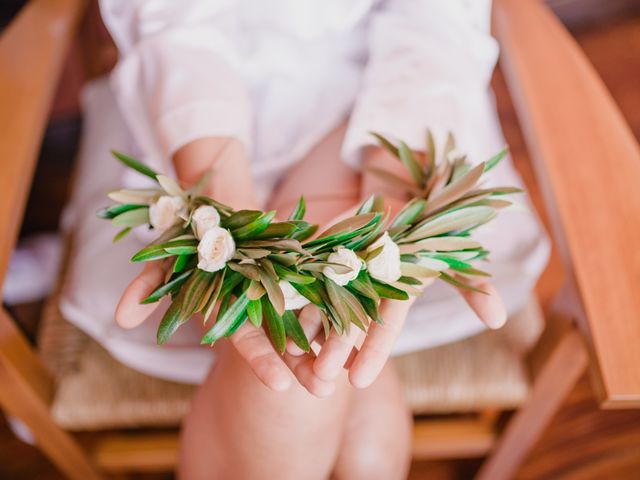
(587, 164)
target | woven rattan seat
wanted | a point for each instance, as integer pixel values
(95, 391)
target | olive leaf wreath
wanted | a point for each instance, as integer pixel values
(345, 270)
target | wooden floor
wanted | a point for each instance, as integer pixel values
(583, 442)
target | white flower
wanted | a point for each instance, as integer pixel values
(386, 265)
(348, 258)
(293, 300)
(166, 212)
(203, 219)
(215, 249)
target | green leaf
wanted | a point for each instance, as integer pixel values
(254, 310)
(351, 224)
(182, 250)
(224, 323)
(394, 180)
(134, 164)
(248, 270)
(172, 319)
(346, 230)
(254, 228)
(367, 206)
(362, 284)
(304, 230)
(241, 218)
(163, 250)
(299, 211)
(409, 213)
(339, 303)
(140, 196)
(231, 281)
(496, 159)
(121, 234)
(270, 284)
(131, 218)
(385, 143)
(169, 287)
(431, 152)
(181, 262)
(277, 230)
(185, 304)
(115, 210)
(371, 308)
(447, 222)
(387, 291)
(286, 244)
(311, 292)
(237, 325)
(417, 271)
(291, 276)
(409, 281)
(255, 290)
(456, 190)
(320, 266)
(275, 325)
(170, 186)
(294, 330)
(458, 284)
(440, 244)
(411, 164)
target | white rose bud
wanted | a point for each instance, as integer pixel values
(215, 249)
(203, 219)
(293, 300)
(386, 265)
(165, 212)
(348, 258)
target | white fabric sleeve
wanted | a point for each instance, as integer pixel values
(430, 64)
(176, 79)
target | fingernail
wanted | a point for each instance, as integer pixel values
(281, 384)
(326, 370)
(361, 381)
(324, 389)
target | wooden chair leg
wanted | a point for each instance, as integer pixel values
(555, 379)
(23, 394)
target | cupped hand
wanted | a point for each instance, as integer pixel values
(364, 356)
(232, 184)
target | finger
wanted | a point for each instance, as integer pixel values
(334, 353)
(488, 306)
(254, 346)
(375, 350)
(311, 323)
(302, 368)
(130, 312)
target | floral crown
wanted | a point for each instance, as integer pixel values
(255, 268)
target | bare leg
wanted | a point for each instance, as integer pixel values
(377, 440)
(238, 428)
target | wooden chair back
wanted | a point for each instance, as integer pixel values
(587, 163)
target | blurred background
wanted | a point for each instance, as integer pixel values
(582, 440)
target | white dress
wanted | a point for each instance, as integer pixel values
(280, 75)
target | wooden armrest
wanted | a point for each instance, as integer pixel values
(32, 52)
(587, 163)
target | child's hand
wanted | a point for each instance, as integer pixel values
(231, 183)
(366, 362)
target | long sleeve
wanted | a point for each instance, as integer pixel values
(176, 78)
(430, 64)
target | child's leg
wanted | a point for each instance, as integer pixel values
(377, 438)
(238, 428)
